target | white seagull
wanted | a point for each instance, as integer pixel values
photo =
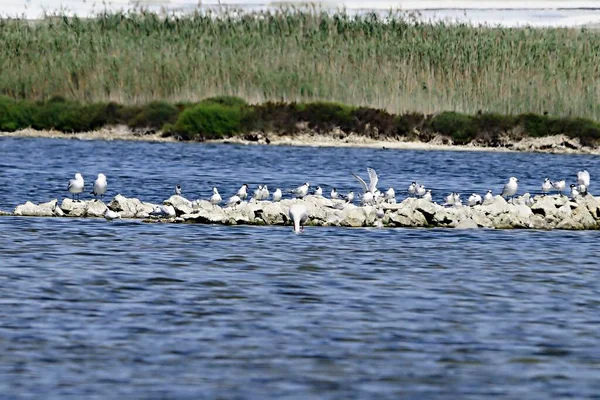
(258, 192)
(265, 193)
(163, 211)
(390, 195)
(178, 190)
(233, 201)
(474, 199)
(298, 213)
(412, 189)
(301, 191)
(318, 191)
(559, 186)
(110, 215)
(242, 192)
(583, 178)
(334, 194)
(76, 186)
(350, 197)
(373, 179)
(215, 199)
(546, 186)
(277, 195)
(420, 190)
(510, 189)
(427, 196)
(100, 185)
(574, 191)
(488, 196)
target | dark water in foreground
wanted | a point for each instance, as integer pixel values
(91, 309)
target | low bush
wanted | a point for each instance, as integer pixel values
(154, 115)
(461, 127)
(209, 121)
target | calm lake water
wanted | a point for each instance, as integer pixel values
(92, 309)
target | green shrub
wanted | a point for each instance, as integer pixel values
(462, 128)
(230, 101)
(536, 125)
(69, 116)
(324, 116)
(14, 115)
(154, 115)
(209, 121)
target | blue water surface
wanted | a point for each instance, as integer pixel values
(92, 309)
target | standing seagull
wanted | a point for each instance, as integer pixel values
(574, 192)
(233, 201)
(216, 197)
(390, 195)
(277, 195)
(420, 190)
(334, 193)
(427, 196)
(412, 189)
(546, 186)
(242, 192)
(510, 189)
(301, 191)
(298, 213)
(178, 190)
(100, 185)
(559, 186)
(350, 197)
(318, 191)
(76, 186)
(488, 196)
(583, 182)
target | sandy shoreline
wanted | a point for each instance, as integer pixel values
(558, 144)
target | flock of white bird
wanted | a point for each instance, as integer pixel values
(370, 194)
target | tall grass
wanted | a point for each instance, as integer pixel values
(393, 63)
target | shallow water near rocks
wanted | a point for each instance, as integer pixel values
(128, 309)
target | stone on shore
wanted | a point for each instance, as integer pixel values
(131, 207)
(29, 209)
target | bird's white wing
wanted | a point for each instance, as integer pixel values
(505, 190)
(364, 185)
(373, 179)
(585, 177)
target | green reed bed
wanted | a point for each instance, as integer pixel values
(226, 116)
(394, 63)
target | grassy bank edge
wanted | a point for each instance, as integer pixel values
(225, 117)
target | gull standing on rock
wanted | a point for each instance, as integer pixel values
(412, 189)
(301, 191)
(546, 186)
(76, 186)
(574, 192)
(427, 196)
(242, 192)
(559, 186)
(178, 190)
(510, 189)
(474, 199)
(390, 195)
(298, 213)
(215, 199)
(583, 181)
(258, 193)
(233, 201)
(100, 185)
(367, 198)
(334, 194)
(488, 196)
(420, 190)
(318, 191)
(349, 197)
(450, 200)
(265, 193)
(277, 195)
